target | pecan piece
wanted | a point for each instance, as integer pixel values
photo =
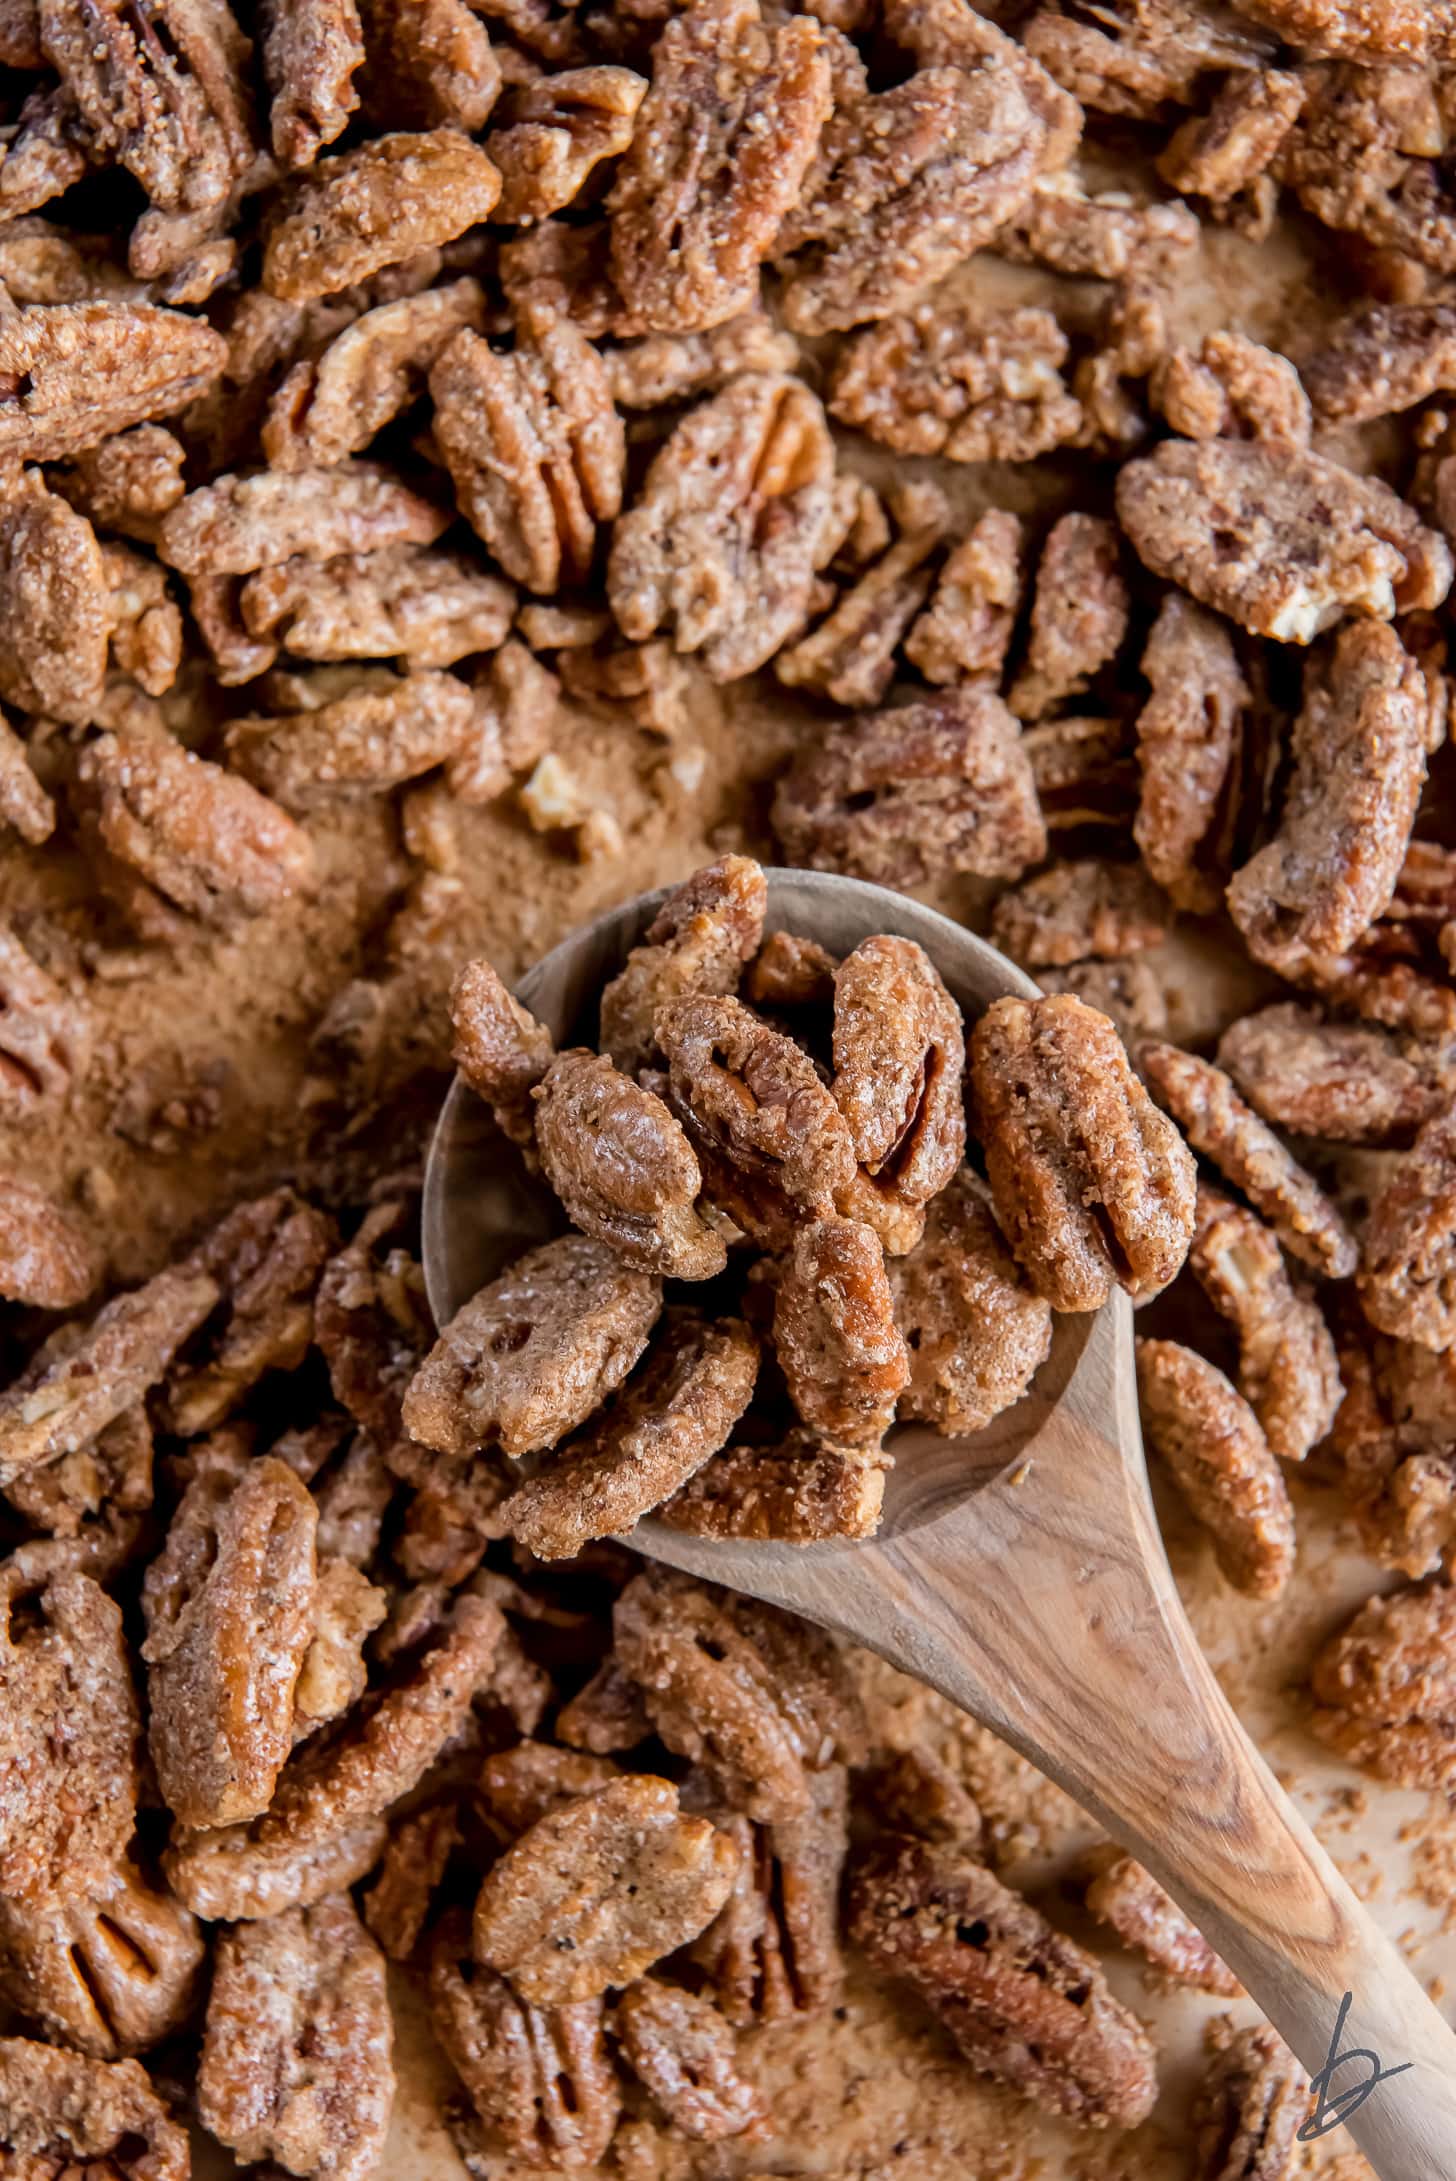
(1280, 540)
(364, 743)
(1132, 1903)
(800, 1492)
(850, 654)
(705, 931)
(1189, 742)
(664, 1424)
(606, 1713)
(773, 1950)
(426, 608)
(540, 2077)
(230, 1614)
(759, 1700)
(312, 50)
(621, 1874)
(535, 1352)
(191, 835)
(1139, 59)
(1225, 154)
(43, 150)
(899, 1061)
(1092, 1186)
(686, 2058)
(1211, 1441)
(1249, 2107)
(241, 523)
(975, 1330)
(1233, 388)
(45, 1259)
(835, 1335)
(720, 150)
(1407, 1274)
(744, 488)
(110, 1974)
(372, 1323)
(296, 2056)
(1218, 1124)
(789, 973)
(429, 66)
(1349, 1082)
(521, 1785)
(73, 373)
(965, 631)
(62, 2114)
(1385, 1688)
(1104, 236)
(68, 1751)
(1383, 361)
(55, 601)
(1129, 993)
(1287, 1372)
(918, 791)
(555, 132)
(623, 1168)
(1075, 910)
(663, 368)
(1078, 614)
(24, 804)
(398, 1902)
(267, 1257)
(500, 1048)
(1024, 2004)
(359, 211)
(956, 383)
(328, 407)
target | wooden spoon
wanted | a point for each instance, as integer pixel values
(1021, 1573)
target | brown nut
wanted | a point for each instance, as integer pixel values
(1249, 2107)
(1211, 1441)
(1189, 741)
(976, 1332)
(1407, 1273)
(1287, 1368)
(1386, 1691)
(801, 1491)
(705, 931)
(62, 2114)
(899, 1062)
(1129, 1899)
(1350, 1082)
(111, 1973)
(773, 1950)
(685, 2056)
(835, 1336)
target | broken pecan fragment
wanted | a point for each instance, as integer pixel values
(500, 1048)
(296, 2056)
(534, 1353)
(773, 1950)
(958, 384)
(1189, 740)
(328, 407)
(62, 2114)
(398, 1902)
(835, 1335)
(361, 210)
(1407, 1272)
(362, 743)
(24, 803)
(1282, 541)
(965, 631)
(918, 791)
(1078, 614)
(372, 1323)
(686, 2058)
(111, 1973)
(621, 1875)
(666, 367)
(555, 132)
(1091, 1185)
(267, 1256)
(1225, 154)
(734, 518)
(1024, 2004)
(1287, 1373)
(72, 373)
(663, 1425)
(428, 66)
(1218, 1124)
(705, 931)
(1350, 1082)
(1073, 910)
(799, 1492)
(850, 655)
(975, 1330)
(521, 1785)
(45, 1259)
(1385, 1688)
(1249, 2107)
(1211, 1441)
(789, 972)
(1129, 1899)
(312, 50)
(1232, 389)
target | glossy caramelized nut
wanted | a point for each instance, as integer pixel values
(63, 2114)
(685, 2056)
(110, 1973)
(699, 940)
(899, 1062)
(1211, 1440)
(975, 1330)
(835, 1335)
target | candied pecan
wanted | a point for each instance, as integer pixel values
(428, 66)
(912, 1791)
(522, 1785)
(835, 1334)
(267, 1256)
(899, 1061)
(1359, 159)
(517, 714)
(360, 744)
(500, 1048)
(146, 626)
(1350, 1082)
(555, 132)
(1103, 236)
(1092, 1186)
(917, 791)
(665, 367)
(24, 804)
(347, 1608)
(1024, 2004)
(1382, 361)
(1139, 56)
(1407, 1278)
(238, 524)
(111, 1476)
(63, 2115)
(328, 407)
(84, 1378)
(965, 631)
(606, 1713)
(1211, 1441)
(623, 1168)
(759, 1700)
(193, 835)
(1384, 1688)
(686, 2057)
(54, 601)
(111, 1973)
(956, 383)
(398, 1902)
(68, 1754)
(540, 2077)
(732, 521)
(73, 373)
(44, 148)
(1129, 1899)
(850, 655)
(1232, 389)
(666, 1422)
(1395, 994)
(1287, 1373)
(535, 1352)
(1248, 2109)
(361, 210)
(720, 150)
(296, 2056)
(372, 1323)
(533, 444)
(1129, 993)
(1281, 540)
(405, 602)
(705, 931)
(312, 50)
(975, 1331)
(1078, 614)
(800, 1492)
(790, 972)
(754, 1108)
(1073, 910)
(1189, 740)
(620, 1874)
(45, 1259)
(1084, 772)
(568, 264)
(773, 1950)
(224, 1874)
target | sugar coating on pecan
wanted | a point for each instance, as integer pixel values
(1349, 1082)
(371, 1321)
(330, 406)
(363, 742)
(899, 1063)
(917, 791)
(1219, 1126)
(428, 66)
(705, 931)
(800, 1490)
(110, 1973)
(1385, 1690)
(965, 631)
(55, 596)
(835, 1336)
(358, 211)
(772, 1952)
(403, 602)
(297, 2053)
(1189, 738)
(623, 1874)
(1024, 2004)
(266, 1256)
(241, 523)
(1252, 2101)
(1407, 1277)
(1287, 1369)
(1359, 764)
(1078, 614)
(75, 372)
(623, 1168)
(849, 656)
(668, 1419)
(553, 133)
(665, 367)
(521, 1785)
(535, 1352)
(1383, 360)
(1232, 389)
(312, 50)
(1075, 910)
(743, 486)
(45, 1258)
(685, 2056)
(1282, 541)
(500, 1048)
(976, 1332)
(1129, 1899)
(61, 2113)
(1212, 1443)
(1092, 1187)
(953, 382)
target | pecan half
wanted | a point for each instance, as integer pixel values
(56, 601)
(329, 406)
(1232, 389)
(363, 743)
(965, 631)
(63, 2114)
(686, 2058)
(1078, 614)
(500, 1049)
(1386, 1691)
(1129, 1899)
(45, 1259)
(111, 1973)
(1407, 1273)
(956, 383)
(241, 523)
(1350, 1082)
(1249, 2107)
(428, 66)
(358, 211)
(1189, 741)
(1287, 1372)
(72, 373)
(312, 50)
(426, 608)
(1211, 1441)
(398, 1903)
(835, 1336)
(850, 655)
(666, 367)
(975, 1330)
(521, 1785)
(1075, 910)
(699, 940)
(555, 132)
(799, 1491)
(773, 1950)
(899, 1062)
